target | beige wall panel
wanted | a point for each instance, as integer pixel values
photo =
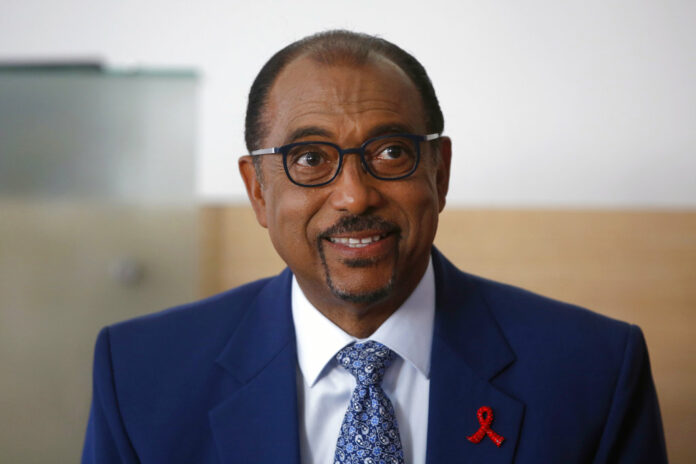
(234, 249)
(632, 265)
(58, 287)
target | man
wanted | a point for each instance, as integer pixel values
(371, 347)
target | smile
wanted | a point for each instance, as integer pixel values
(353, 242)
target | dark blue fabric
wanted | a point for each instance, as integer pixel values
(215, 381)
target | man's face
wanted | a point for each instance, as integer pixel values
(394, 221)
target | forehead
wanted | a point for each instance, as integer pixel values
(341, 99)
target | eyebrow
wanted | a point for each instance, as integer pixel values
(383, 129)
(308, 131)
(391, 128)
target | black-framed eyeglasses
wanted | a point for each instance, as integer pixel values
(313, 164)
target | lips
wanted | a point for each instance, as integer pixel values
(360, 249)
(361, 236)
(357, 242)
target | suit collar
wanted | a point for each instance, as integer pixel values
(265, 330)
(469, 350)
(464, 322)
(257, 420)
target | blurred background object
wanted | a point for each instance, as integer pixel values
(97, 224)
(574, 152)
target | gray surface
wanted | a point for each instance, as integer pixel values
(89, 134)
(97, 224)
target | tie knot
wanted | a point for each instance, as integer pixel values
(366, 361)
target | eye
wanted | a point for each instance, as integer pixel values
(390, 152)
(309, 156)
(310, 159)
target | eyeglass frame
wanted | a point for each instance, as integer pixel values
(285, 149)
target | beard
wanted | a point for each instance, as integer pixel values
(356, 224)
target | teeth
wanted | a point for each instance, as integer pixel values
(356, 242)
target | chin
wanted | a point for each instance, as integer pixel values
(365, 298)
(362, 296)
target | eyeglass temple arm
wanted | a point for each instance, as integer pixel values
(264, 151)
(430, 137)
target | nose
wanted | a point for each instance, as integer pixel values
(354, 189)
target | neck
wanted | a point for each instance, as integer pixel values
(358, 322)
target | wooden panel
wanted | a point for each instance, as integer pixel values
(632, 265)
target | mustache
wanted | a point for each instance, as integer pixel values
(354, 223)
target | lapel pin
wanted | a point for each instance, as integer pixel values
(485, 418)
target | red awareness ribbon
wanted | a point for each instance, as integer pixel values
(485, 418)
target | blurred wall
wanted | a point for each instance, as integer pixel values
(580, 103)
(97, 224)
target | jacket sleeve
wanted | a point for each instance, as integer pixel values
(106, 441)
(633, 429)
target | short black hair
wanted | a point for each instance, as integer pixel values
(330, 47)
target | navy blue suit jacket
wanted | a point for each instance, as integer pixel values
(215, 381)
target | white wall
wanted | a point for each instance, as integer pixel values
(572, 103)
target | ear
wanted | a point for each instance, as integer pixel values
(254, 189)
(443, 170)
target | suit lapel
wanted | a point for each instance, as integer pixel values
(257, 421)
(469, 350)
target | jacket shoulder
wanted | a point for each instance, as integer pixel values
(520, 310)
(563, 343)
(170, 354)
(215, 317)
(163, 366)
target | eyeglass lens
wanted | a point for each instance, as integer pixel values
(317, 163)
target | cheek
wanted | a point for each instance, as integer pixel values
(290, 214)
(420, 205)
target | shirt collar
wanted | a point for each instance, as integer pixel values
(408, 331)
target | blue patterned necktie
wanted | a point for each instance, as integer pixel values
(369, 433)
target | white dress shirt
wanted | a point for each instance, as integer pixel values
(324, 387)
